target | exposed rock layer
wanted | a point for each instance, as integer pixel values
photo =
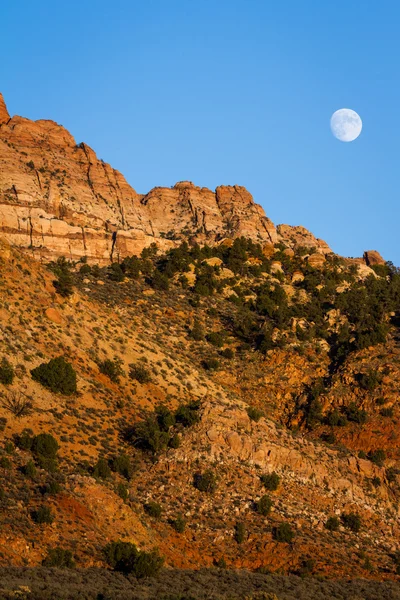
(57, 198)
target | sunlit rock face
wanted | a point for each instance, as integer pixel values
(57, 198)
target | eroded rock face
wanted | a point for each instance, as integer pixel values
(4, 116)
(58, 199)
(297, 237)
(372, 257)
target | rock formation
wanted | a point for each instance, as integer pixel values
(57, 198)
(4, 116)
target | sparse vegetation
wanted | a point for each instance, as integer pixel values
(60, 558)
(112, 368)
(139, 373)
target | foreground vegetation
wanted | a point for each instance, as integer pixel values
(213, 584)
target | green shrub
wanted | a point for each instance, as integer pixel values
(49, 464)
(264, 505)
(85, 270)
(355, 414)
(102, 469)
(139, 373)
(197, 331)
(115, 272)
(52, 488)
(215, 338)
(9, 447)
(146, 435)
(145, 564)
(306, 567)
(205, 482)
(58, 557)
(270, 481)
(332, 524)
(377, 456)
(175, 441)
(391, 474)
(153, 509)
(179, 524)
(29, 469)
(165, 418)
(57, 375)
(387, 411)
(45, 445)
(6, 372)
(220, 563)
(122, 464)
(370, 380)
(188, 414)
(24, 440)
(111, 368)
(351, 521)
(122, 491)
(376, 482)
(5, 463)
(228, 353)
(240, 532)
(3, 423)
(283, 533)
(210, 364)
(396, 559)
(42, 515)
(336, 419)
(254, 413)
(126, 558)
(159, 281)
(64, 282)
(116, 552)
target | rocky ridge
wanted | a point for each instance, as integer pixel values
(57, 198)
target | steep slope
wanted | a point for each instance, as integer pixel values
(142, 325)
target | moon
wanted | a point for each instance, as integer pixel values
(346, 125)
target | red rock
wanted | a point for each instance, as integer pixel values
(4, 116)
(372, 257)
(53, 315)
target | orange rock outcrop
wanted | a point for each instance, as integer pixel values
(57, 198)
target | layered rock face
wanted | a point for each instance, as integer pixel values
(57, 198)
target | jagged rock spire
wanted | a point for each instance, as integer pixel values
(4, 116)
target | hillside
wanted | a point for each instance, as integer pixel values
(225, 395)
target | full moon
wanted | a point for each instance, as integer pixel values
(346, 125)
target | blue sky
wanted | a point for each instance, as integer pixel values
(226, 92)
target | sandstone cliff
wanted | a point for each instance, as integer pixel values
(57, 198)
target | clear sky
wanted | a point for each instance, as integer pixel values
(226, 92)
